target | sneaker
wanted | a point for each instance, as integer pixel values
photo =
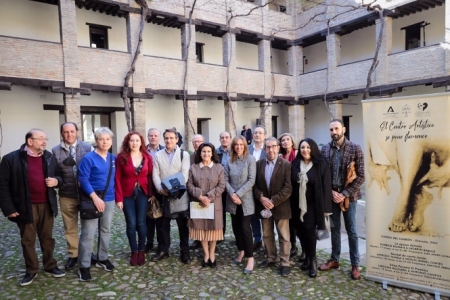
(56, 272)
(84, 274)
(105, 264)
(27, 279)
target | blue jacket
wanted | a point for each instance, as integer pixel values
(93, 172)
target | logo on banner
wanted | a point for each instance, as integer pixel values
(406, 110)
(422, 110)
(390, 113)
(422, 106)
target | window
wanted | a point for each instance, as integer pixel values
(282, 8)
(98, 35)
(412, 35)
(199, 52)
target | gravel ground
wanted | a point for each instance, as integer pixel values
(171, 279)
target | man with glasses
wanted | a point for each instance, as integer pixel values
(272, 190)
(28, 177)
(69, 154)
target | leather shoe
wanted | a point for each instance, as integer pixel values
(195, 245)
(159, 255)
(294, 251)
(313, 268)
(305, 264)
(71, 263)
(186, 259)
(285, 271)
(330, 264)
(212, 264)
(302, 257)
(256, 246)
(148, 248)
(265, 264)
(356, 274)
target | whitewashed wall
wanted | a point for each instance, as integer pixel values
(316, 56)
(161, 41)
(358, 45)
(280, 61)
(117, 35)
(212, 50)
(21, 110)
(246, 56)
(28, 19)
(434, 33)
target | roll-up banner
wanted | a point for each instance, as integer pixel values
(407, 158)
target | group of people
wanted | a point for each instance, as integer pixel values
(264, 185)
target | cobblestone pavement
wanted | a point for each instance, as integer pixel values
(171, 279)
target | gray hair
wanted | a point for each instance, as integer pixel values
(153, 129)
(198, 135)
(103, 130)
(226, 132)
(271, 139)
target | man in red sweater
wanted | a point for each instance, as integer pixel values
(28, 177)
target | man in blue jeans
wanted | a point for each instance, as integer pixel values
(339, 153)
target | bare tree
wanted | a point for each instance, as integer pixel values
(125, 97)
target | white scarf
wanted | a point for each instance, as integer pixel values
(303, 179)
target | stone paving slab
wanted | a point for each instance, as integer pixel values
(170, 279)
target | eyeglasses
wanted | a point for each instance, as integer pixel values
(40, 139)
(271, 147)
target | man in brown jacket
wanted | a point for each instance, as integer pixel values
(272, 190)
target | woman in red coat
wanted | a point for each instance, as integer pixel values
(134, 186)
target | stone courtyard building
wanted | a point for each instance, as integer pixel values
(245, 62)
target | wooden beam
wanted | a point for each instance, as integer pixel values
(5, 86)
(190, 97)
(82, 91)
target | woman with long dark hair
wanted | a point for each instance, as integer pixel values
(240, 176)
(312, 197)
(134, 186)
(288, 152)
(206, 184)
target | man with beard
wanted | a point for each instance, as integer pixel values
(339, 153)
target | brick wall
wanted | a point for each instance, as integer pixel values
(352, 76)
(409, 65)
(31, 59)
(102, 66)
(313, 83)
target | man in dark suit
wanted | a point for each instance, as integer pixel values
(247, 133)
(272, 190)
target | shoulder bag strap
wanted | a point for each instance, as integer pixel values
(109, 175)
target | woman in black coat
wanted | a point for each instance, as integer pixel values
(311, 197)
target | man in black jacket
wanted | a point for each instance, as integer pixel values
(28, 177)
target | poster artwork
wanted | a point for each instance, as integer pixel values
(407, 142)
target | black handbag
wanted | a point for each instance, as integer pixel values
(88, 210)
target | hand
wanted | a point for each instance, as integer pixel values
(205, 200)
(338, 197)
(100, 204)
(13, 215)
(236, 200)
(119, 205)
(164, 192)
(266, 202)
(51, 182)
